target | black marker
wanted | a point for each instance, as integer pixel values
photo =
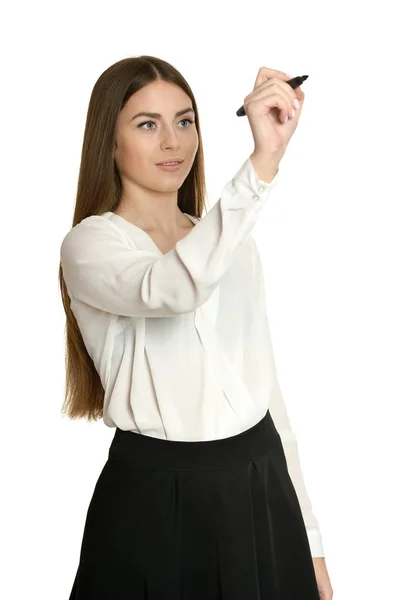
(294, 83)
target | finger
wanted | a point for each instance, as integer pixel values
(260, 78)
(265, 73)
(284, 77)
(269, 100)
(299, 94)
(294, 92)
(275, 73)
(276, 86)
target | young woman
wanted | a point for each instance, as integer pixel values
(202, 495)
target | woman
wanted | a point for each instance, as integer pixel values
(168, 342)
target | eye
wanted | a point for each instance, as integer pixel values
(145, 123)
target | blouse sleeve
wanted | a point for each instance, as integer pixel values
(278, 411)
(279, 414)
(101, 268)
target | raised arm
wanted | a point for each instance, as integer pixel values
(101, 269)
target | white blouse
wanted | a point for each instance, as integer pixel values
(181, 340)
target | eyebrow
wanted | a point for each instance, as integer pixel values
(158, 116)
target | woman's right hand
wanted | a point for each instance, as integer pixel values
(267, 107)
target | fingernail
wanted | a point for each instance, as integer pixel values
(296, 103)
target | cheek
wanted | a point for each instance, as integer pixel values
(134, 151)
(195, 141)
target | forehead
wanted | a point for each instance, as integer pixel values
(158, 96)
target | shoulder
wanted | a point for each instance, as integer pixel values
(90, 230)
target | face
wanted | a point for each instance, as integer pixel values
(143, 141)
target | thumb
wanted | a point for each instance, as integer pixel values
(261, 76)
(266, 73)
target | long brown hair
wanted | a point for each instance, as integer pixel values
(99, 190)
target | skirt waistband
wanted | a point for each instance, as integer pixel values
(146, 451)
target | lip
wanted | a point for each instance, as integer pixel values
(169, 168)
(170, 160)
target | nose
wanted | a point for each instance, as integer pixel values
(170, 137)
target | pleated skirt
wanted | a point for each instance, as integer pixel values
(206, 520)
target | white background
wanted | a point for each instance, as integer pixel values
(328, 239)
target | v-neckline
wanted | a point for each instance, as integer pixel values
(148, 237)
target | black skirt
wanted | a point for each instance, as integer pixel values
(207, 520)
